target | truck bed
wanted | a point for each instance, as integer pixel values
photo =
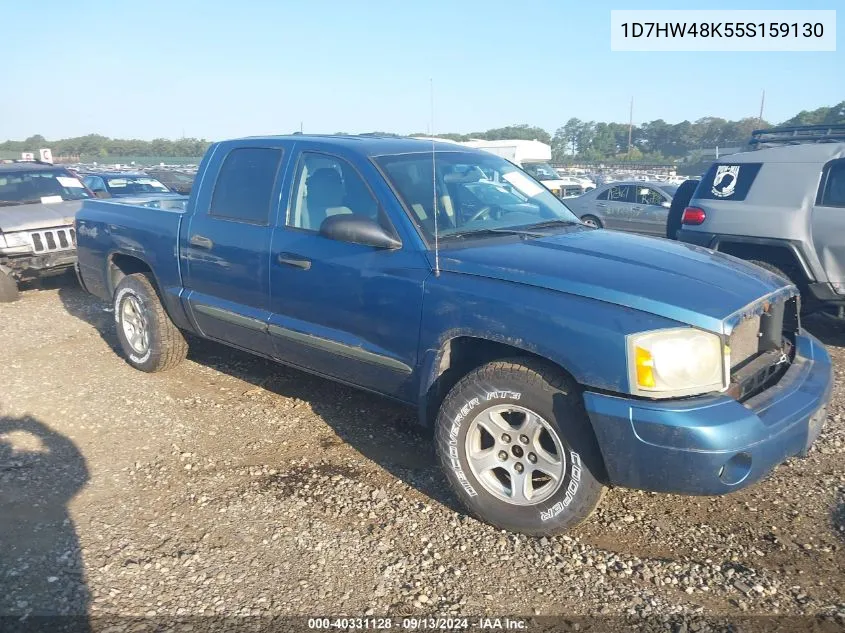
(147, 229)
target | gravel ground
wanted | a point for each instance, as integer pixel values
(234, 486)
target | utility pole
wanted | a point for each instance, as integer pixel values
(762, 102)
(300, 127)
(630, 126)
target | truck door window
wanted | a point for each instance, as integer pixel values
(834, 191)
(326, 186)
(244, 186)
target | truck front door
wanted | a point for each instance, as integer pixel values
(225, 252)
(828, 224)
(342, 309)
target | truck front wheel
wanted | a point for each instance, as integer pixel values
(518, 449)
(8, 288)
(148, 337)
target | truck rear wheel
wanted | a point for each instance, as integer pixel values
(8, 288)
(518, 449)
(148, 337)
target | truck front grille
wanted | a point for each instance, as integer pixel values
(745, 341)
(53, 240)
(762, 348)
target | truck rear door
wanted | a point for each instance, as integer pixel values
(828, 224)
(226, 249)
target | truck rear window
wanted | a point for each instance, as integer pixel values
(727, 181)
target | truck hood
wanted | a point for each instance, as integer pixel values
(29, 217)
(674, 280)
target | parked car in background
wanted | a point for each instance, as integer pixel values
(177, 181)
(638, 207)
(123, 184)
(781, 206)
(38, 202)
(552, 358)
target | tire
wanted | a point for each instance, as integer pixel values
(8, 289)
(509, 389)
(155, 344)
(772, 269)
(591, 220)
(680, 201)
(808, 305)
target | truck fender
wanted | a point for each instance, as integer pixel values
(172, 302)
(435, 361)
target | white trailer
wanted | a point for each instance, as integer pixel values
(533, 157)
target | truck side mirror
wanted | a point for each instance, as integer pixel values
(358, 229)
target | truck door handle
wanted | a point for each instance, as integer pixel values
(289, 259)
(201, 241)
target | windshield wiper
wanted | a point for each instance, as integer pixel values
(552, 223)
(492, 231)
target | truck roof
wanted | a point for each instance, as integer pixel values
(27, 166)
(819, 153)
(370, 145)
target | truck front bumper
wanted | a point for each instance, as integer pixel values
(713, 444)
(26, 267)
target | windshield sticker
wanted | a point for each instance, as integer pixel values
(523, 183)
(151, 182)
(51, 199)
(70, 183)
(117, 182)
(724, 182)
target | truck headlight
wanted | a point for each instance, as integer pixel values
(14, 240)
(676, 362)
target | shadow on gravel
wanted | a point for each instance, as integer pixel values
(88, 308)
(837, 517)
(381, 430)
(41, 567)
(828, 330)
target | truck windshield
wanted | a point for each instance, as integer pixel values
(22, 187)
(475, 192)
(542, 171)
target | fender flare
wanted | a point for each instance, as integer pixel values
(433, 357)
(792, 247)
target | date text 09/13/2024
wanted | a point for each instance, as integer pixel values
(418, 623)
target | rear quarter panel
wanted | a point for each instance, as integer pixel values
(106, 228)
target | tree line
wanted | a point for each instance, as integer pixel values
(576, 140)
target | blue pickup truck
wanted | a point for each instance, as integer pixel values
(553, 359)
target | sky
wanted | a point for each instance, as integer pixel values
(218, 69)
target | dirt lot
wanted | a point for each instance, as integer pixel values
(233, 486)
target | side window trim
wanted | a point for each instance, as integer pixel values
(280, 151)
(823, 197)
